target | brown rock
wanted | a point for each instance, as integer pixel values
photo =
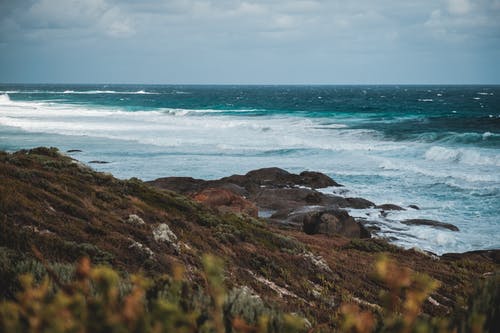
(225, 201)
(330, 222)
(178, 184)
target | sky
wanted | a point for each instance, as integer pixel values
(250, 42)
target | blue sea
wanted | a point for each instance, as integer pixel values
(437, 147)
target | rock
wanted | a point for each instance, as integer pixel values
(141, 248)
(285, 198)
(480, 255)
(389, 207)
(277, 177)
(98, 162)
(330, 222)
(317, 180)
(178, 184)
(135, 220)
(163, 234)
(358, 203)
(431, 223)
(269, 189)
(317, 261)
(226, 201)
(74, 151)
(414, 207)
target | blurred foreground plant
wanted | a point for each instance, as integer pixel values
(92, 302)
(402, 305)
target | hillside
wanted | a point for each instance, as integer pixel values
(65, 210)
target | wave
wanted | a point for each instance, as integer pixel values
(5, 99)
(441, 174)
(94, 92)
(460, 155)
(484, 138)
(163, 127)
(82, 92)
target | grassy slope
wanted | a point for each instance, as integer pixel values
(77, 211)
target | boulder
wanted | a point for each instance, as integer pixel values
(316, 180)
(357, 203)
(389, 207)
(135, 220)
(330, 222)
(162, 233)
(431, 223)
(225, 200)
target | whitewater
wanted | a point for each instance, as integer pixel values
(436, 147)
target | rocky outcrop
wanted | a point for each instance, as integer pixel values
(276, 191)
(277, 177)
(269, 189)
(225, 200)
(431, 223)
(330, 222)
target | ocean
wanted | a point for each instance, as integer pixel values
(437, 147)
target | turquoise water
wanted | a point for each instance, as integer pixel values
(433, 146)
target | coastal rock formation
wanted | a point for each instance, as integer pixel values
(270, 189)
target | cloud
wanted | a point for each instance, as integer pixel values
(71, 19)
(191, 34)
(459, 7)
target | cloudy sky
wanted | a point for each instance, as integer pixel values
(251, 41)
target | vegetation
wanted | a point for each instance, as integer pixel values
(153, 274)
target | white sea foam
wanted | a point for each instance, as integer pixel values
(4, 99)
(83, 92)
(425, 100)
(461, 155)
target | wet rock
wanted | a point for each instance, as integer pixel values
(225, 200)
(389, 207)
(431, 223)
(74, 151)
(414, 207)
(358, 203)
(98, 162)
